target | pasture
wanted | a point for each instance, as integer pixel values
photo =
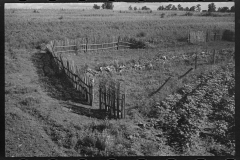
(61, 126)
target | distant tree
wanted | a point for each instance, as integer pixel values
(186, 9)
(130, 8)
(223, 9)
(107, 5)
(96, 6)
(160, 8)
(145, 8)
(198, 7)
(232, 9)
(211, 7)
(192, 8)
(180, 8)
(174, 8)
(135, 8)
(168, 7)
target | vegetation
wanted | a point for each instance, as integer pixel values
(190, 116)
(96, 6)
(107, 5)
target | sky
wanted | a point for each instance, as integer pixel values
(117, 5)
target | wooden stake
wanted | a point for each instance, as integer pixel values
(196, 62)
(214, 52)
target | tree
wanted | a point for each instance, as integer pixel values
(219, 9)
(198, 7)
(96, 6)
(145, 8)
(174, 8)
(186, 9)
(211, 7)
(223, 9)
(180, 8)
(192, 8)
(160, 8)
(130, 8)
(168, 7)
(107, 5)
(232, 9)
(135, 8)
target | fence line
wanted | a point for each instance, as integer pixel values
(82, 44)
(81, 82)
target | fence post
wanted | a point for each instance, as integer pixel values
(118, 92)
(118, 42)
(214, 52)
(100, 98)
(105, 97)
(196, 61)
(86, 44)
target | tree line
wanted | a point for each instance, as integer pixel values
(211, 7)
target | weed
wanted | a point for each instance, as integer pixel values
(30, 101)
(141, 34)
(163, 15)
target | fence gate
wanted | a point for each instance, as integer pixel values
(112, 99)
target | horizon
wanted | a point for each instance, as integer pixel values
(117, 5)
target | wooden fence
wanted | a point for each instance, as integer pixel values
(87, 44)
(111, 100)
(80, 81)
(200, 36)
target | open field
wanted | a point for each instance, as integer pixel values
(191, 116)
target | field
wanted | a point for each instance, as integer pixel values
(191, 116)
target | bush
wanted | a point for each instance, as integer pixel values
(35, 11)
(188, 14)
(141, 34)
(60, 17)
(163, 15)
(228, 35)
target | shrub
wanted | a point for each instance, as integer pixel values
(60, 17)
(141, 34)
(188, 14)
(228, 35)
(163, 15)
(35, 11)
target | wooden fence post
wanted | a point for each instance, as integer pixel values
(105, 97)
(214, 52)
(86, 44)
(196, 61)
(100, 98)
(118, 92)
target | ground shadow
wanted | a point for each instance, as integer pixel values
(57, 86)
(89, 112)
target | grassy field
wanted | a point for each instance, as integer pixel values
(43, 119)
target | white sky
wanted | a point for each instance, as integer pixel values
(117, 5)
